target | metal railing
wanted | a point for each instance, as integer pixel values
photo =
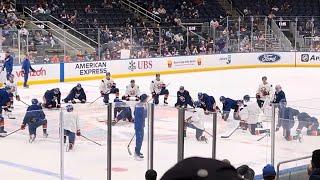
(288, 161)
(141, 10)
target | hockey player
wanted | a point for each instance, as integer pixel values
(52, 98)
(264, 91)
(14, 89)
(4, 102)
(183, 98)
(195, 121)
(34, 118)
(207, 103)
(249, 116)
(140, 114)
(26, 67)
(76, 93)
(132, 91)
(229, 104)
(121, 111)
(311, 123)
(286, 120)
(279, 95)
(71, 126)
(108, 87)
(158, 88)
(8, 64)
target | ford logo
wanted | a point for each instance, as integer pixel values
(269, 58)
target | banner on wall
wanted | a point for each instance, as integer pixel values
(43, 72)
(308, 57)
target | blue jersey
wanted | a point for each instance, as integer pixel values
(34, 114)
(140, 113)
(26, 66)
(8, 63)
(4, 97)
(51, 96)
(229, 104)
(209, 101)
(280, 96)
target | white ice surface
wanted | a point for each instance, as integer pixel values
(40, 160)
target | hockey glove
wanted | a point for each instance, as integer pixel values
(258, 96)
(78, 133)
(102, 93)
(17, 97)
(23, 126)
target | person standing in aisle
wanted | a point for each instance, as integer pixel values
(26, 67)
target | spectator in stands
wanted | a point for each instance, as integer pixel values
(151, 175)
(162, 11)
(88, 9)
(268, 172)
(64, 16)
(314, 170)
(201, 168)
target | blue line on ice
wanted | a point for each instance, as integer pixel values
(35, 170)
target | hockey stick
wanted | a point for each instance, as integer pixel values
(12, 133)
(91, 140)
(24, 102)
(231, 133)
(266, 135)
(95, 100)
(208, 133)
(128, 147)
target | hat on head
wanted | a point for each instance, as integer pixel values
(268, 171)
(316, 158)
(197, 168)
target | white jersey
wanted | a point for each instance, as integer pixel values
(250, 113)
(13, 86)
(106, 85)
(265, 91)
(71, 122)
(156, 86)
(132, 91)
(197, 117)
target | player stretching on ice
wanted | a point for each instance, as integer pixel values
(311, 123)
(121, 111)
(158, 88)
(4, 102)
(249, 116)
(71, 126)
(207, 103)
(132, 91)
(264, 92)
(76, 93)
(35, 117)
(140, 114)
(52, 98)
(286, 120)
(229, 104)
(195, 121)
(108, 87)
(14, 89)
(183, 98)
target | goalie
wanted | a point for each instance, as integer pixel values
(249, 116)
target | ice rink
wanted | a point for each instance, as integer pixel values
(40, 160)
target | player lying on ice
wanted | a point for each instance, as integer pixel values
(121, 111)
(34, 118)
(195, 121)
(249, 114)
(229, 104)
(76, 93)
(52, 98)
(311, 123)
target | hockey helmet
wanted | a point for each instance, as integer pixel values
(56, 90)
(246, 98)
(7, 88)
(197, 104)
(108, 74)
(222, 99)
(143, 98)
(181, 88)
(200, 95)
(69, 108)
(34, 101)
(78, 86)
(264, 78)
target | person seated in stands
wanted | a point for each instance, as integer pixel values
(268, 172)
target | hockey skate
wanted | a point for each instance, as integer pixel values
(3, 133)
(70, 147)
(138, 156)
(203, 139)
(32, 138)
(165, 102)
(73, 102)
